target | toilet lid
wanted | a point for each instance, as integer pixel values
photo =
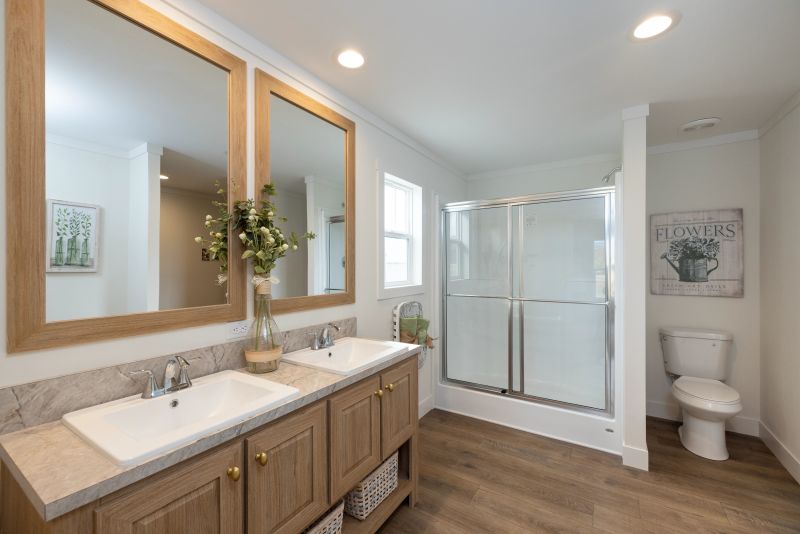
(710, 390)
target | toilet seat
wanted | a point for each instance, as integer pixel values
(707, 390)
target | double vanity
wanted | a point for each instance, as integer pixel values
(232, 452)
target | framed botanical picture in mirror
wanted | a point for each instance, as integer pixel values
(72, 237)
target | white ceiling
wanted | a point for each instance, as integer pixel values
(499, 84)
(110, 83)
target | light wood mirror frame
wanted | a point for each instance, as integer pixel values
(267, 85)
(25, 183)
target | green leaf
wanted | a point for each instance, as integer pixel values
(248, 254)
(259, 269)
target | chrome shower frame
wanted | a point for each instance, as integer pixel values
(608, 194)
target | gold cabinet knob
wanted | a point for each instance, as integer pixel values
(379, 393)
(234, 473)
(261, 458)
(390, 387)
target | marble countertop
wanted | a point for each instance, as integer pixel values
(60, 472)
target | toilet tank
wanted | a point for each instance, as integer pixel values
(696, 352)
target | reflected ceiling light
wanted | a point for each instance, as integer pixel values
(654, 25)
(350, 59)
(700, 124)
(164, 177)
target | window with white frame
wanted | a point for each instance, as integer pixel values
(402, 239)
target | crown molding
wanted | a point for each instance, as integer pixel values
(550, 165)
(784, 110)
(736, 137)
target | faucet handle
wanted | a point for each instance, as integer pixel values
(183, 374)
(314, 340)
(151, 388)
(334, 326)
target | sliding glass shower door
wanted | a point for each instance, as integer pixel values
(528, 304)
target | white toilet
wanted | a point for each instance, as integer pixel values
(698, 358)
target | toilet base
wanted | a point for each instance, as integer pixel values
(703, 438)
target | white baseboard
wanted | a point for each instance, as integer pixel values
(425, 405)
(784, 455)
(739, 424)
(635, 457)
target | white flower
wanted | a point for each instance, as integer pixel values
(243, 236)
(253, 211)
(271, 239)
(270, 214)
(218, 235)
(280, 235)
(252, 217)
(285, 246)
(294, 247)
(264, 230)
(208, 224)
(198, 239)
(211, 234)
(209, 217)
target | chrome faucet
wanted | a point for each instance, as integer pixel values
(177, 365)
(325, 339)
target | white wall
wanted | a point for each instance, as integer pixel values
(580, 173)
(185, 279)
(102, 180)
(374, 140)
(291, 270)
(711, 177)
(780, 289)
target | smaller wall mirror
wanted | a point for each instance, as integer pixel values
(306, 150)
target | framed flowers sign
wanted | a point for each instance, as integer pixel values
(698, 253)
(72, 236)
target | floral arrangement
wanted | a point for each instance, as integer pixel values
(263, 241)
(217, 227)
(693, 248)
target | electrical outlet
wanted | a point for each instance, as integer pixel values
(238, 329)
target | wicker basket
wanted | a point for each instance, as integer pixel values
(371, 491)
(330, 524)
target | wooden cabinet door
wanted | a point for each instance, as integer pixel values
(355, 434)
(287, 473)
(198, 497)
(399, 406)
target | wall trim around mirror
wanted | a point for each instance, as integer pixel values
(25, 183)
(266, 86)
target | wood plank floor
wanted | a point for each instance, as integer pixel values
(480, 477)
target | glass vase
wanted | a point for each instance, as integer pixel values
(264, 344)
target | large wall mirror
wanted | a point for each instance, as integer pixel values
(124, 130)
(306, 150)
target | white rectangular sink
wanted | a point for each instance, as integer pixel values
(349, 355)
(133, 430)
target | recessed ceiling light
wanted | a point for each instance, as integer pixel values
(655, 25)
(700, 124)
(164, 177)
(350, 59)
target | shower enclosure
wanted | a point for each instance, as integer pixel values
(528, 300)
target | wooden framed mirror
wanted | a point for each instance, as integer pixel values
(122, 127)
(307, 151)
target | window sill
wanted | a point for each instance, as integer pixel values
(386, 293)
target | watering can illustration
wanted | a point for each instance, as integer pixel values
(693, 256)
(693, 269)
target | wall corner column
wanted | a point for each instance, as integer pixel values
(634, 231)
